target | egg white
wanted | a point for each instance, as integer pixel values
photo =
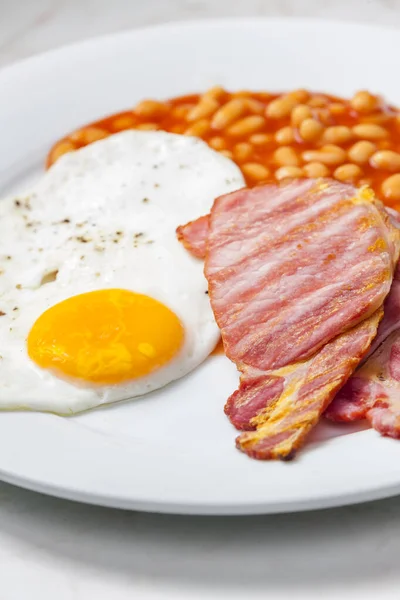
(105, 217)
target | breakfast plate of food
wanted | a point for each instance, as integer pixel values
(200, 236)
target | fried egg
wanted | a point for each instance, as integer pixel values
(99, 302)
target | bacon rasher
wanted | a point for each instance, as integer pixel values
(297, 277)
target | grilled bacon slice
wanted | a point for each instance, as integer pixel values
(297, 277)
(194, 236)
(283, 425)
(375, 380)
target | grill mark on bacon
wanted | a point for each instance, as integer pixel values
(321, 314)
(294, 411)
(260, 333)
(298, 245)
(308, 222)
(194, 234)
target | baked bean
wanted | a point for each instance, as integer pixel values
(391, 187)
(285, 135)
(214, 93)
(255, 171)
(243, 94)
(378, 119)
(286, 156)
(386, 159)
(339, 134)
(348, 173)
(242, 151)
(327, 155)
(148, 126)
(298, 95)
(246, 126)
(226, 153)
(89, 135)
(364, 102)
(61, 148)
(254, 106)
(299, 114)
(260, 139)
(310, 130)
(323, 115)
(262, 96)
(228, 113)
(293, 134)
(291, 171)
(318, 101)
(369, 131)
(151, 108)
(181, 112)
(199, 128)
(124, 122)
(281, 107)
(335, 108)
(218, 143)
(316, 169)
(361, 152)
(205, 108)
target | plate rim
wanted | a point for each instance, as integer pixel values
(341, 498)
(193, 23)
(193, 509)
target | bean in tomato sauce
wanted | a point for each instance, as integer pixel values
(275, 136)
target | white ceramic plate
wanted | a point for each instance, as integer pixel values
(173, 450)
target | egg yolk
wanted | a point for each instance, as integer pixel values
(105, 337)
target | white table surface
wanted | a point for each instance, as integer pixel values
(56, 549)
